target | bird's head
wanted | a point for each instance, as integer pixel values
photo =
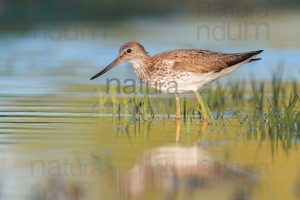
(129, 52)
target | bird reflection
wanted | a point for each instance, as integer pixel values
(178, 127)
(174, 168)
(177, 167)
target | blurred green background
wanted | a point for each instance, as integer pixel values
(31, 11)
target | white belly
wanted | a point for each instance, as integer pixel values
(182, 82)
(187, 82)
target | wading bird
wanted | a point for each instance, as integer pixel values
(180, 71)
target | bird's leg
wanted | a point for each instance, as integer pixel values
(178, 115)
(178, 125)
(206, 113)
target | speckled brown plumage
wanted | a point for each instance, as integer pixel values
(202, 61)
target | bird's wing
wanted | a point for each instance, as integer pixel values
(201, 61)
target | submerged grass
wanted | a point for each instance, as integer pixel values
(272, 107)
(262, 98)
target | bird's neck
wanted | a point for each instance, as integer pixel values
(142, 66)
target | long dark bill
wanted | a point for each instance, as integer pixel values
(109, 67)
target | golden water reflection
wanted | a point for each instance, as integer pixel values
(175, 168)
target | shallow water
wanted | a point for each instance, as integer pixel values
(55, 144)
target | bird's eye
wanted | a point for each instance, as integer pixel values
(128, 50)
